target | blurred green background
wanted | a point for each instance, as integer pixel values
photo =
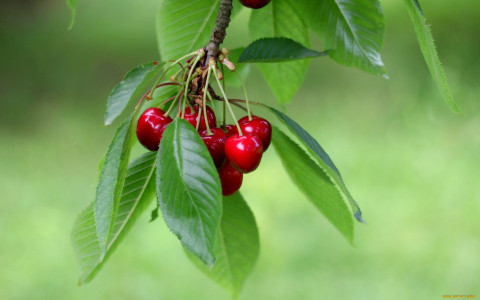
(413, 165)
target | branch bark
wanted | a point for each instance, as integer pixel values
(219, 32)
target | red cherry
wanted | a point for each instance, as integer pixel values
(215, 144)
(230, 179)
(192, 117)
(257, 126)
(150, 127)
(255, 3)
(231, 130)
(244, 152)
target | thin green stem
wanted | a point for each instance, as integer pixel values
(166, 101)
(199, 56)
(173, 103)
(174, 76)
(249, 113)
(146, 94)
(168, 69)
(205, 90)
(226, 101)
(199, 117)
(179, 104)
(242, 101)
(224, 105)
(213, 103)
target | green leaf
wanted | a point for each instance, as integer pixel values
(353, 29)
(188, 189)
(184, 26)
(231, 79)
(154, 214)
(281, 18)
(314, 183)
(427, 45)
(138, 192)
(131, 87)
(73, 7)
(236, 248)
(271, 50)
(112, 178)
(321, 157)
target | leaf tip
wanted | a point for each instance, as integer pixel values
(107, 122)
(358, 216)
(455, 108)
(73, 7)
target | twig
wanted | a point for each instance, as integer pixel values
(219, 32)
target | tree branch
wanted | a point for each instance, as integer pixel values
(219, 32)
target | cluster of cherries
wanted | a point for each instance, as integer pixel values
(233, 153)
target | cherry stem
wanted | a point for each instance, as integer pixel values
(157, 86)
(179, 105)
(224, 105)
(226, 101)
(199, 56)
(198, 117)
(236, 102)
(241, 101)
(213, 103)
(205, 91)
(249, 113)
(166, 101)
(167, 69)
(179, 94)
(174, 76)
(181, 67)
(240, 106)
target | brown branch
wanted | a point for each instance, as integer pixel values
(219, 32)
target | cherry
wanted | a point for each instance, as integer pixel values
(150, 127)
(192, 117)
(255, 3)
(231, 129)
(230, 179)
(215, 144)
(244, 152)
(257, 126)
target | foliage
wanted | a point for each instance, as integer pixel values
(188, 189)
(220, 234)
(427, 45)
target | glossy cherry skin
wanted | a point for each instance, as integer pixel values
(150, 127)
(244, 152)
(231, 130)
(215, 144)
(257, 126)
(255, 4)
(230, 179)
(192, 117)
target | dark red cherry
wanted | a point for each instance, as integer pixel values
(257, 126)
(215, 144)
(244, 152)
(192, 117)
(150, 127)
(231, 129)
(255, 3)
(230, 179)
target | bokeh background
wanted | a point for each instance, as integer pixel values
(413, 165)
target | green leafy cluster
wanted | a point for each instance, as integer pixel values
(219, 234)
